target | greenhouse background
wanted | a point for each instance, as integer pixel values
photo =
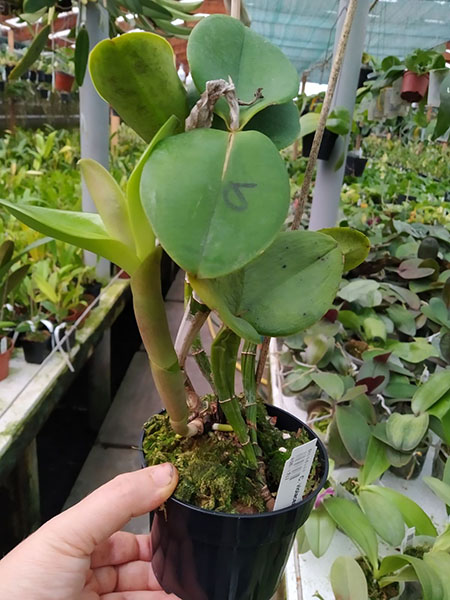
(226, 245)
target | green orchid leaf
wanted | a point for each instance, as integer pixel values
(221, 226)
(375, 463)
(431, 584)
(405, 432)
(309, 123)
(365, 292)
(136, 74)
(336, 448)
(437, 311)
(431, 391)
(319, 530)
(81, 54)
(14, 279)
(440, 563)
(279, 122)
(32, 54)
(140, 225)
(385, 518)
(443, 118)
(403, 319)
(440, 417)
(374, 330)
(354, 523)
(330, 383)
(413, 352)
(413, 515)
(251, 61)
(354, 432)
(348, 580)
(441, 489)
(283, 291)
(6, 252)
(109, 200)
(354, 245)
(84, 230)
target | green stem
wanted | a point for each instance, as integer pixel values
(248, 358)
(202, 360)
(152, 322)
(223, 361)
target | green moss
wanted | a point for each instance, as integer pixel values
(375, 592)
(213, 470)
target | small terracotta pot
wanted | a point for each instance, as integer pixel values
(414, 87)
(4, 360)
(63, 81)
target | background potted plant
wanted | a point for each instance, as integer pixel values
(419, 64)
(304, 269)
(64, 70)
(338, 123)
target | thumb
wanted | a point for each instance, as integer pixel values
(111, 506)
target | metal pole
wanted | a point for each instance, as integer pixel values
(325, 204)
(94, 120)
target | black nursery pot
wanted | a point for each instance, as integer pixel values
(326, 145)
(204, 555)
(355, 165)
(36, 352)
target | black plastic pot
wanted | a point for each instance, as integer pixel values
(326, 145)
(36, 352)
(93, 288)
(43, 93)
(41, 76)
(204, 555)
(364, 75)
(355, 165)
(403, 197)
(32, 76)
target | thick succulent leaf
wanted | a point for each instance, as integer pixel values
(354, 432)
(309, 123)
(354, 523)
(354, 245)
(136, 74)
(336, 448)
(385, 518)
(330, 383)
(279, 122)
(232, 204)
(375, 463)
(441, 489)
(348, 580)
(286, 289)
(221, 47)
(32, 54)
(431, 391)
(413, 515)
(84, 230)
(319, 530)
(405, 432)
(6, 252)
(140, 225)
(109, 200)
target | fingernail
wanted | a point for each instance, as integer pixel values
(162, 474)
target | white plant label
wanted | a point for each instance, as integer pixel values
(295, 475)
(408, 539)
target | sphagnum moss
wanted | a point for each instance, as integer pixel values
(214, 473)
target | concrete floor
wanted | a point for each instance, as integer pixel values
(117, 447)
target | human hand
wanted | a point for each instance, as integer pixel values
(82, 555)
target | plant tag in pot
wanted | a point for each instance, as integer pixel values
(295, 475)
(408, 539)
